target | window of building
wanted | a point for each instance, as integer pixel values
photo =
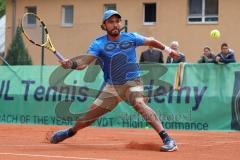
(67, 16)
(110, 7)
(31, 21)
(203, 11)
(150, 13)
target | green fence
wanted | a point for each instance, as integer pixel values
(50, 95)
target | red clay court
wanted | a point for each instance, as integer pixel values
(30, 143)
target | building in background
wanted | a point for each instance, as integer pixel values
(73, 24)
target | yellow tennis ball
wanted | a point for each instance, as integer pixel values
(215, 34)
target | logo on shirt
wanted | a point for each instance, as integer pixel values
(110, 46)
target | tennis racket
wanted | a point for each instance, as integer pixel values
(36, 32)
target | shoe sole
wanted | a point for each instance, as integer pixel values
(53, 141)
(170, 150)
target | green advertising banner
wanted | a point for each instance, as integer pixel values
(51, 95)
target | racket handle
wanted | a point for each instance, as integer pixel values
(59, 56)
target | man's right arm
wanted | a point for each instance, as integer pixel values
(78, 63)
(81, 62)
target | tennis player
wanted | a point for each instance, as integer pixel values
(116, 52)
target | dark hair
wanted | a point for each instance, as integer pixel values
(224, 45)
(102, 27)
(206, 47)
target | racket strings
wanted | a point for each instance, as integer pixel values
(34, 29)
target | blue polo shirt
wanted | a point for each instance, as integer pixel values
(118, 58)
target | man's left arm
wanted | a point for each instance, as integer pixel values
(230, 59)
(150, 41)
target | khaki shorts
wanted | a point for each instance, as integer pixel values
(111, 95)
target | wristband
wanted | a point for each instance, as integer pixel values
(167, 49)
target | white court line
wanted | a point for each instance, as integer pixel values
(114, 144)
(59, 145)
(208, 143)
(225, 141)
(49, 156)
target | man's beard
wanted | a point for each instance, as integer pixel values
(114, 34)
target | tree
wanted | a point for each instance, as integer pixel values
(2, 7)
(17, 53)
